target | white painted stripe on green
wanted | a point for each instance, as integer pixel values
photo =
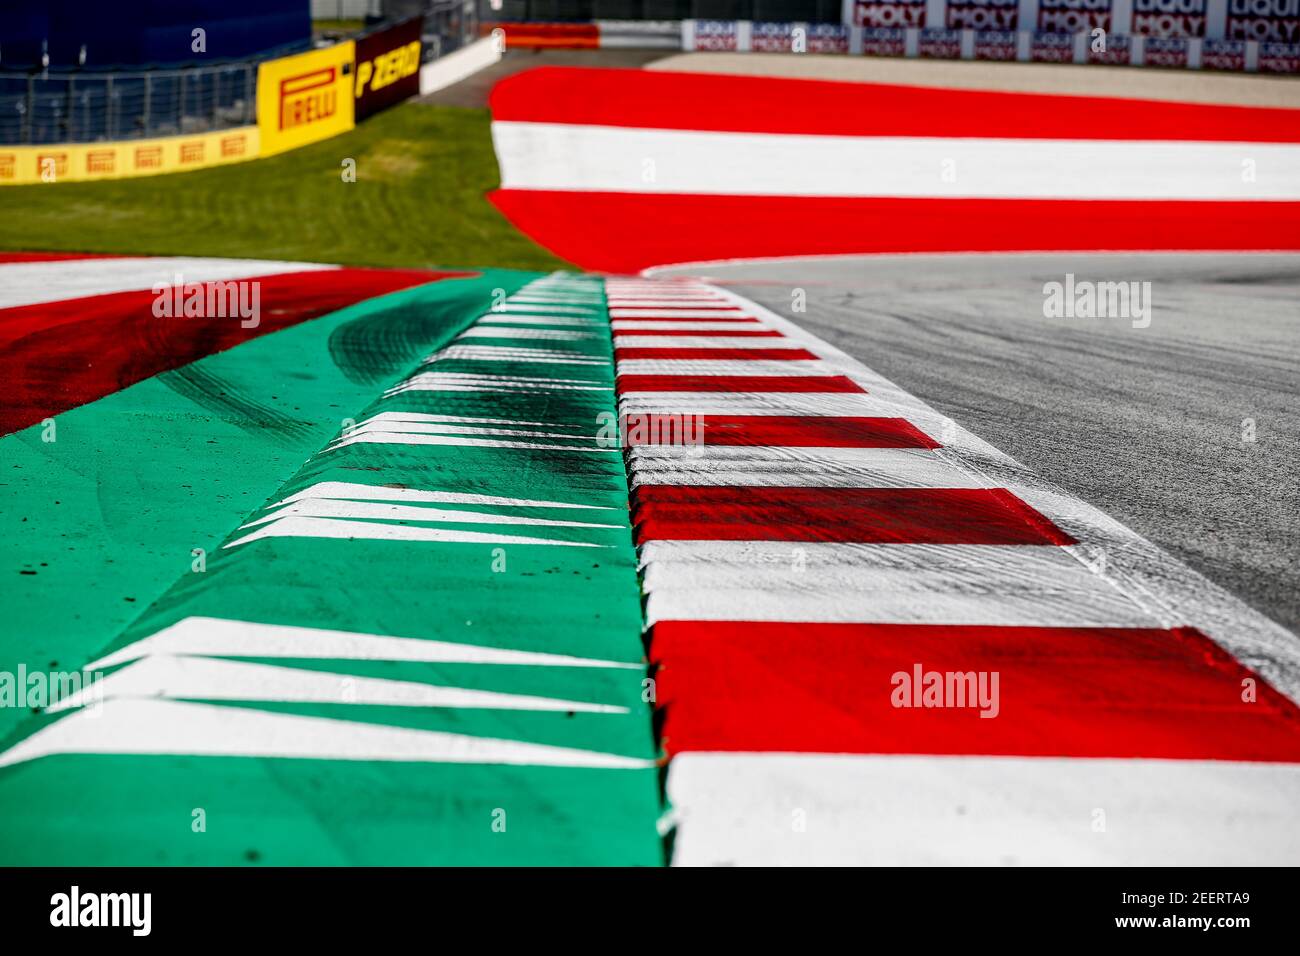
(547, 309)
(348, 489)
(511, 353)
(205, 678)
(559, 298)
(174, 727)
(400, 417)
(462, 382)
(380, 511)
(493, 319)
(216, 637)
(437, 428)
(372, 531)
(559, 335)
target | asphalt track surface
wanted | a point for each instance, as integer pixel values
(1144, 423)
(472, 92)
(1180, 86)
(1183, 86)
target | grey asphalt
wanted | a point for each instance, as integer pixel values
(1145, 423)
(472, 92)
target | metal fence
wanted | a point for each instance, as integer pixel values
(84, 107)
(448, 25)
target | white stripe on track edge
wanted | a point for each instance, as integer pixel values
(742, 809)
(1037, 585)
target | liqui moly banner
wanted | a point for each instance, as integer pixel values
(1169, 18)
(1073, 16)
(716, 35)
(1165, 51)
(899, 14)
(982, 15)
(1279, 58)
(828, 38)
(772, 38)
(1052, 48)
(1223, 55)
(1179, 34)
(996, 44)
(1272, 21)
(1113, 49)
(884, 41)
(939, 44)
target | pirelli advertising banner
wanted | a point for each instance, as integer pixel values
(305, 98)
(388, 67)
(81, 162)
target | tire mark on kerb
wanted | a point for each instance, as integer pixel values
(786, 580)
(1169, 590)
(214, 394)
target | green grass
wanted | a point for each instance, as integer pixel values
(419, 201)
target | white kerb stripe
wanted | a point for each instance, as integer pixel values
(557, 156)
(737, 809)
(29, 283)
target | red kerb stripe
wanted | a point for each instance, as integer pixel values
(654, 99)
(734, 355)
(866, 515)
(589, 227)
(813, 432)
(737, 383)
(1062, 692)
(6, 257)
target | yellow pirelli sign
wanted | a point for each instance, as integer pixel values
(305, 98)
(80, 162)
